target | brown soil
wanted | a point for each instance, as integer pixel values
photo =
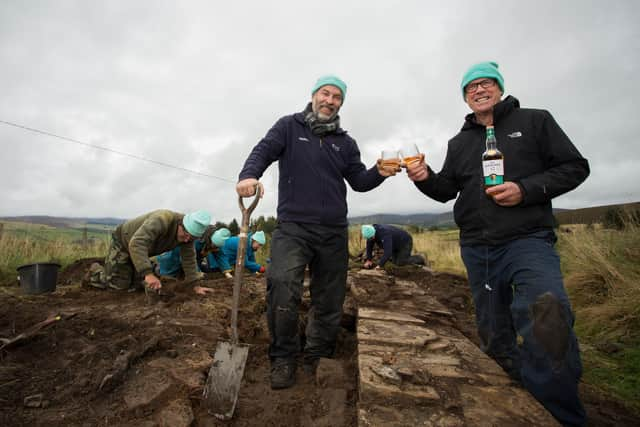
(124, 359)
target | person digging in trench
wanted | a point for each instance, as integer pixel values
(209, 254)
(395, 242)
(127, 266)
(230, 253)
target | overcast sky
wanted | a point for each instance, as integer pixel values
(197, 84)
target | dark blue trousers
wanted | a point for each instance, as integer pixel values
(525, 321)
(325, 250)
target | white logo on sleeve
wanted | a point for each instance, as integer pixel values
(302, 138)
(517, 134)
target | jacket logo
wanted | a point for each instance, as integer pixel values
(302, 138)
(335, 147)
(515, 135)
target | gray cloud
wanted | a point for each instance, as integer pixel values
(197, 84)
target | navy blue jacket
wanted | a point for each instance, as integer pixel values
(391, 239)
(538, 156)
(312, 171)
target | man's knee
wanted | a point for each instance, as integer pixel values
(551, 325)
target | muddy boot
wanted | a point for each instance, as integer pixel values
(283, 374)
(96, 276)
(137, 286)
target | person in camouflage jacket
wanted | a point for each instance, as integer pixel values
(128, 265)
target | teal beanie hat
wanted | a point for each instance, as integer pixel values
(368, 231)
(259, 237)
(196, 222)
(333, 81)
(220, 236)
(483, 69)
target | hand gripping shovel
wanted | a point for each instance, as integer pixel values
(223, 383)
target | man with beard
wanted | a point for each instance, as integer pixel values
(315, 156)
(523, 313)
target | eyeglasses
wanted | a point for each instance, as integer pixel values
(486, 84)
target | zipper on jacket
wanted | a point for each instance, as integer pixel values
(320, 142)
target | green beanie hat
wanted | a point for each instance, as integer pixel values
(368, 231)
(259, 237)
(196, 222)
(220, 236)
(333, 81)
(483, 69)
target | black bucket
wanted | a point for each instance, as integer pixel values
(38, 278)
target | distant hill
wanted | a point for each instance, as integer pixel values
(64, 222)
(592, 215)
(589, 215)
(444, 220)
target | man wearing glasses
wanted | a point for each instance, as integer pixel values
(127, 265)
(523, 315)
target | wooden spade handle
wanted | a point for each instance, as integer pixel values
(239, 270)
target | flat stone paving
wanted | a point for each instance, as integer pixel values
(414, 371)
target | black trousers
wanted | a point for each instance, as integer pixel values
(325, 250)
(403, 255)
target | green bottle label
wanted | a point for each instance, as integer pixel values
(493, 171)
(493, 180)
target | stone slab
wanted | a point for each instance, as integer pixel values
(421, 373)
(495, 406)
(391, 333)
(381, 314)
(388, 416)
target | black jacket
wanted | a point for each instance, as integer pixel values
(391, 239)
(538, 156)
(312, 171)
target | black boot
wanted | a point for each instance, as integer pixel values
(283, 374)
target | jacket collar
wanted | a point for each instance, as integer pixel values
(299, 117)
(500, 110)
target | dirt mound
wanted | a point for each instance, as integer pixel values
(75, 272)
(117, 358)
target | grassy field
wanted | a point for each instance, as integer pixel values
(22, 243)
(602, 277)
(600, 266)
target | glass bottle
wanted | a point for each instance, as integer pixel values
(492, 161)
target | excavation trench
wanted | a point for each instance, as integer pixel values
(406, 355)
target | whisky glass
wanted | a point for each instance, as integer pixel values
(409, 153)
(390, 159)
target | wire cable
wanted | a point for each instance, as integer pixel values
(111, 150)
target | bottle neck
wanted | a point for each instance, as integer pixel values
(492, 144)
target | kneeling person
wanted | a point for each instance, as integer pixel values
(396, 243)
(209, 255)
(127, 265)
(256, 241)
